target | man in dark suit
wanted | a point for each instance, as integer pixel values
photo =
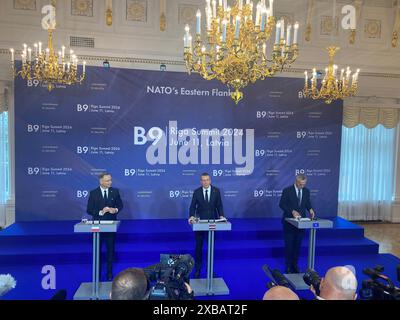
(104, 204)
(295, 202)
(206, 205)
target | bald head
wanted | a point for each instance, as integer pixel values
(339, 283)
(280, 293)
(130, 284)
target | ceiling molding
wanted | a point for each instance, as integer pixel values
(139, 60)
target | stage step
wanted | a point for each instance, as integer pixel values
(139, 251)
(144, 240)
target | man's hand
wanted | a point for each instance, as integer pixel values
(106, 210)
(295, 214)
(191, 220)
(188, 288)
(312, 214)
(222, 218)
(113, 210)
(313, 290)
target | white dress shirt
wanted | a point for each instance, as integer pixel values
(297, 192)
(209, 193)
(101, 213)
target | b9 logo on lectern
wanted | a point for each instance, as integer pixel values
(33, 128)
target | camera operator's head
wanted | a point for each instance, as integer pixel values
(280, 293)
(339, 283)
(130, 284)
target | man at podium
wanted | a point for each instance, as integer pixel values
(104, 204)
(206, 205)
(295, 202)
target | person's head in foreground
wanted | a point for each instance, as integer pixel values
(280, 293)
(339, 283)
(130, 284)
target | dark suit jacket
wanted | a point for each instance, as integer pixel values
(206, 211)
(96, 203)
(289, 202)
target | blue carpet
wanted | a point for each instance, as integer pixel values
(240, 254)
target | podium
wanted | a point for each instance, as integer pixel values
(210, 286)
(296, 279)
(95, 290)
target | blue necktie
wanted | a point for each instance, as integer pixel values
(207, 195)
(105, 194)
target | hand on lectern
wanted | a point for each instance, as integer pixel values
(312, 214)
(295, 214)
(223, 218)
(106, 210)
(191, 220)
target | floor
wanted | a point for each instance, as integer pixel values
(386, 234)
(25, 248)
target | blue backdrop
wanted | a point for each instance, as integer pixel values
(156, 132)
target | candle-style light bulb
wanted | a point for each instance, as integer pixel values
(296, 33)
(198, 22)
(12, 55)
(237, 30)
(278, 30)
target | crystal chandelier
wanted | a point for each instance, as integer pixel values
(332, 88)
(46, 66)
(236, 49)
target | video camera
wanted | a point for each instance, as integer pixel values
(379, 286)
(278, 279)
(312, 279)
(170, 277)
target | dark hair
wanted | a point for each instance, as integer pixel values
(102, 175)
(301, 177)
(130, 284)
(205, 174)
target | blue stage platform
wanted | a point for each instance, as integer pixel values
(240, 254)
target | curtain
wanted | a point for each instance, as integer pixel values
(4, 163)
(370, 117)
(367, 169)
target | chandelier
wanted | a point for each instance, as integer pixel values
(236, 49)
(46, 66)
(332, 88)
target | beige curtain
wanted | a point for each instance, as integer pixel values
(370, 117)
